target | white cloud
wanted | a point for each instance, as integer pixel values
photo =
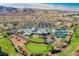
(46, 6)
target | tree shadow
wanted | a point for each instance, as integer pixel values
(3, 53)
(55, 51)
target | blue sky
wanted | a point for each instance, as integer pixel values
(53, 6)
(70, 5)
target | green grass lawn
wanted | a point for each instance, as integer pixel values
(7, 47)
(73, 45)
(37, 48)
(37, 39)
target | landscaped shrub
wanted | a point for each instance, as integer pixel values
(77, 50)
